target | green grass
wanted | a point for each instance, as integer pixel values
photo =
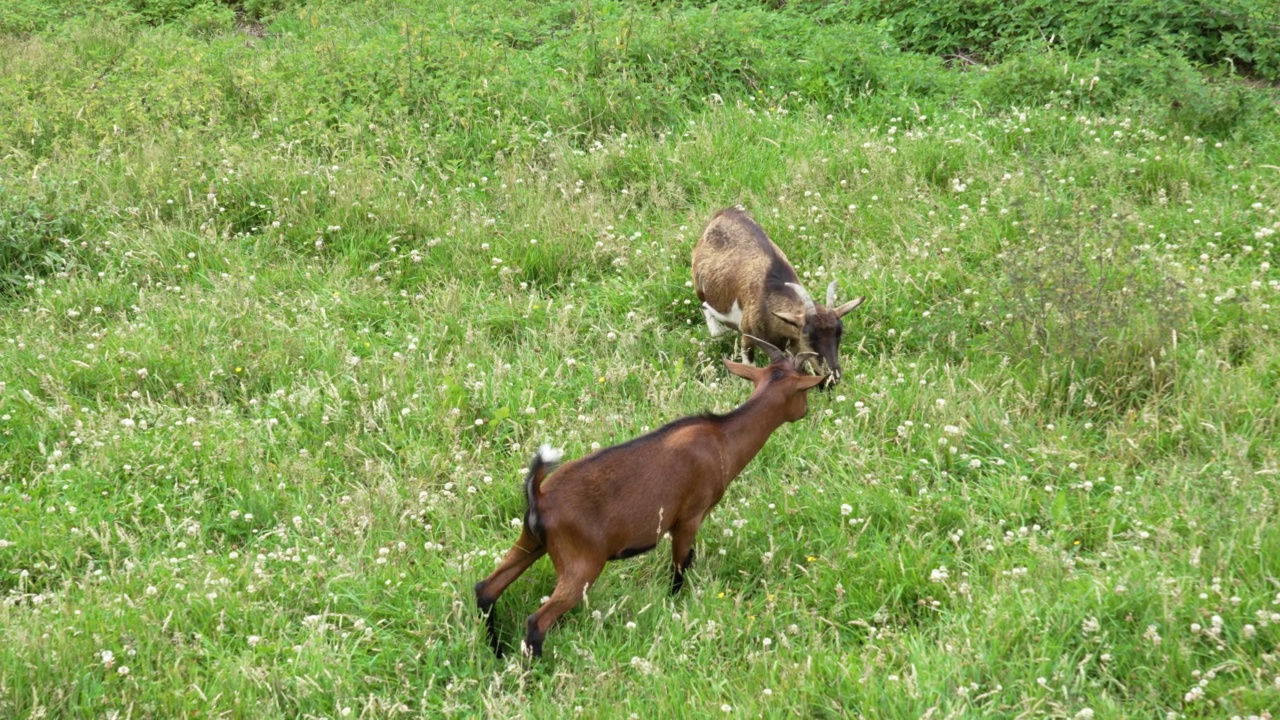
(282, 319)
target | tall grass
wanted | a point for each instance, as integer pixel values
(284, 316)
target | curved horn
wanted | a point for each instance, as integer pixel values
(801, 358)
(831, 294)
(804, 297)
(771, 350)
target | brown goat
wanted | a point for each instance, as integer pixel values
(619, 502)
(746, 283)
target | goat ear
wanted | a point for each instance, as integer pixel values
(849, 306)
(793, 318)
(808, 381)
(750, 372)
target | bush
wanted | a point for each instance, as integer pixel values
(1199, 103)
(206, 19)
(1163, 82)
(1244, 32)
(35, 240)
(26, 16)
(1088, 321)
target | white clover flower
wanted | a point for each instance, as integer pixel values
(846, 509)
(1152, 635)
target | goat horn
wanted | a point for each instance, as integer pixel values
(831, 294)
(774, 353)
(804, 297)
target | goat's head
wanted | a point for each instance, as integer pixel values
(784, 375)
(820, 326)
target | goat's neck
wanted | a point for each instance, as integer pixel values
(747, 430)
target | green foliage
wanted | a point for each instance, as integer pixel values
(1142, 79)
(38, 236)
(207, 18)
(199, 16)
(286, 307)
(1244, 32)
(1092, 324)
(25, 16)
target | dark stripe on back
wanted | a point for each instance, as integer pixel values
(663, 431)
(780, 273)
(688, 420)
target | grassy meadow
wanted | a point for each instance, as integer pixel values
(290, 293)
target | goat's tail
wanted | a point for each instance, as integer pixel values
(540, 466)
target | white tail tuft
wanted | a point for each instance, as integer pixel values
(548, 454)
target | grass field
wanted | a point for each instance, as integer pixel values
(287, 303)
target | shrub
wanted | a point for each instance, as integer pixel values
(1246, 32)
(35, 239)
(26, 16)
(1199, 103)
(1153, 80)
(206, 19)
(1088, 321)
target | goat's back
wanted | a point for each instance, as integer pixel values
(735, 261)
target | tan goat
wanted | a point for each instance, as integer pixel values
(746, 284)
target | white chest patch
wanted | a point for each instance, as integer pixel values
(718, 323)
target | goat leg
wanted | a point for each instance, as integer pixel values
(570, 588)
(682, 536)
(518, 559)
